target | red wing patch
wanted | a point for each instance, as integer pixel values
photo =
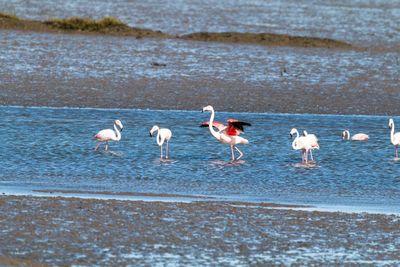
(235, 127)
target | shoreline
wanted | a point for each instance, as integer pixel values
(195, 111)
(178, 198)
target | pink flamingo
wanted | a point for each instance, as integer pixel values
(356, 137)
(313, 142)
(394, 137)
(163, 134)
(305, 143)
(227, 134)
(109, 134)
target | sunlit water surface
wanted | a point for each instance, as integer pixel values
(45, 148)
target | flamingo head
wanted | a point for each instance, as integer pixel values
(208, 108)
(305, 133)
(293, 131)
(391, 123)
(154, 129)
(346, 135)
(119, 124)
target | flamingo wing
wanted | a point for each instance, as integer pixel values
(105, 135)
(219, 125)
(360, 137)
(235, 127)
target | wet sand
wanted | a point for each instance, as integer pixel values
(69, 231)
(186, 94)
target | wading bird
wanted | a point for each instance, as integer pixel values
(163, 134)
(305, 143)
(356, 137)
(109, 134)
(313, 142)
(227, 134)
(394, 137)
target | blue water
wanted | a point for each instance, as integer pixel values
(46, 148)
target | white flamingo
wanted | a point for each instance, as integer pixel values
(163, 134)
(299, 143)
(227, 134)
(356, 137)
(313, 142)
(305, 143)
(109, 134)
(394, 137)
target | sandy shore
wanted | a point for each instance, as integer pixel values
(36, 231)
(186, 95)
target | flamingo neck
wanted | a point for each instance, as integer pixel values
(392, 133)
(346, 135)
(117, 133)
(294, 143)
(159, 140)
(210, 126)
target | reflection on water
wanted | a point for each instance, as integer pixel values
(46, 148)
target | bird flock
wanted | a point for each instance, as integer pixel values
(229, 135)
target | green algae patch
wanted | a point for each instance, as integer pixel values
(104, 26)
(8, 16)
(115, 27)
(88, 24)
(267, 39)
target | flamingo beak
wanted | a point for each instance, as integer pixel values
(150, 134)
(291, 136)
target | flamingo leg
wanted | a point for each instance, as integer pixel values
(166, 151)
(161, 152)
(397, 154)
(306, 156)
(240, 152)
(233, 154)
(106, 145)
(97, 146)
(311, 155)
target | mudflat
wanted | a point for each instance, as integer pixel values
(37, 231)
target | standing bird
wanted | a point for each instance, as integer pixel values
(394, 137)
(313, 142)
(299, 143)
(305, 143)
(227, 134)
(163, 134)
(356, 137)
(109, 134)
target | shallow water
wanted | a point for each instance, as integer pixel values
(45, 148)
(360, 22)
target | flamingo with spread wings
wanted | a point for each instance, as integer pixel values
(227, 134)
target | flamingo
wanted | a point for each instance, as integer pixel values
(394, 137)
(305, 143)
(356, 137)
(163, 134)
(313, 142)
(109, 134)
(227, 134)
(299, 143)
